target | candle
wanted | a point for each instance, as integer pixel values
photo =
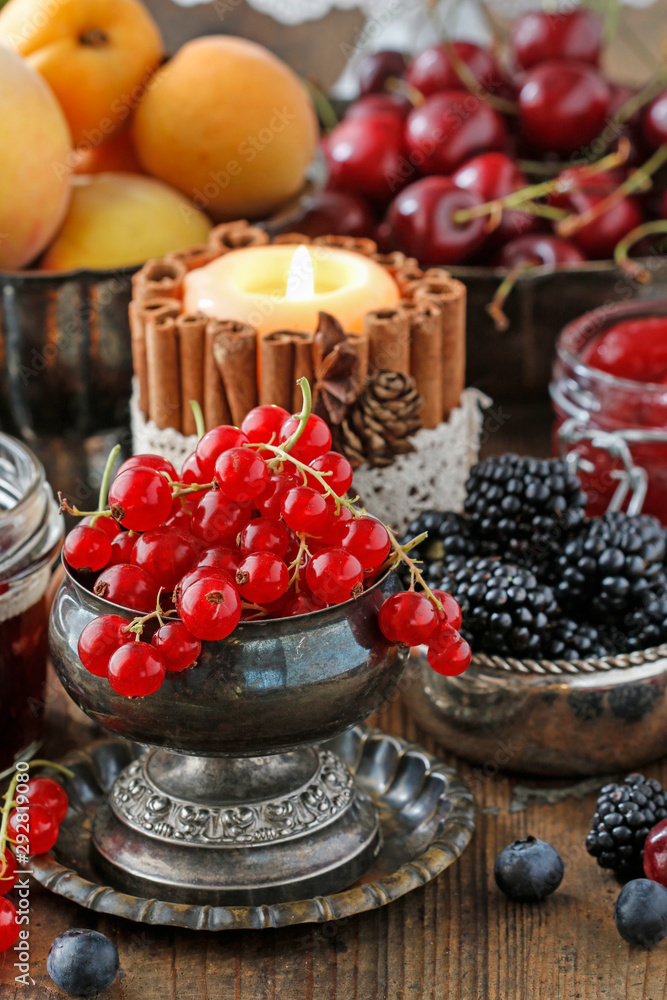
(284, 287)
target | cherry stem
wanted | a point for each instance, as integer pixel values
(638, 100)
(200, 423)
(10, 804)
(471, 83)
(567, 181)
(638, 180)
(401, 555)
(396, 85)
(544, 211)
(495, 306)
(323, 106)
(633, 268)
(106, 479)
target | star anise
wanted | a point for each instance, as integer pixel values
(335, 366)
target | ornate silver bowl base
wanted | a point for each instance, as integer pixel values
(426, 818)
(239, 830)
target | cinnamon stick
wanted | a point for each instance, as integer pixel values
(139, 313)
(410, 271)
(162, 278)
(276, 366)
(303, 365)
(234, 235)
(235, 351)
(359, 341)
(216, 407)
(292, 238)
(425, 321)
(450, 296)
(388, 332)
(164, 396)
(394, 261)
(357, 244)
(193, 257)
(191, 339)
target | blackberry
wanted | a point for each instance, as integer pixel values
(506, 610)
(527, 506)
(623, 819)
(570, 640)
(612, 566)
(448, 535)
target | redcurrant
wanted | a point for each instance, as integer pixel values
(167, 554)
(333, 532)
(302, 604)
(408, 618)
(191, 471)
(263, 424)
(263, 534)
(104, 523)
(47, 793)
(35, 823)
(217, 520)
(262, 577)
(179, 648)
(140, 498)
(270, 500)
(368, 540)
(87, 549)
(336, 469)
(210, 608)
(241, 474)
(156, 462)
(451, 612)
(128, 586)
(334, 576)
(448, 652)
(304, 510)
(99, 641)
(9, 925)
(8, 880)
(220, 557)
(213, 443)
(122, 547)
(136, 670)
(315, 439)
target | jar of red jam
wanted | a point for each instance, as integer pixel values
(31, 532)
(610, 376)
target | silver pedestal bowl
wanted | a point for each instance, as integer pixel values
(234, 802)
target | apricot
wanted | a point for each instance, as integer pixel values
(117, 153)
(228, 124)
(35, 151)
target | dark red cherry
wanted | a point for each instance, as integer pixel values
(372, 105)
(367, 156)
(563, 105)
(579, 179)
(449, 128)
(333, 213)
(420, 222)
(599, 238)
(494, 175)
(538, 36)
(433, 69)
(654, 121)
(376, 68)
(538, 250)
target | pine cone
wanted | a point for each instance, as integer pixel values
(379, 426)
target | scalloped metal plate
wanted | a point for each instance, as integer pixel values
(427, 816)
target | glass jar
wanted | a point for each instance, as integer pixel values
(31, 533)
(593, 400)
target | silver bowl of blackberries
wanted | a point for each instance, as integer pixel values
(567, 618)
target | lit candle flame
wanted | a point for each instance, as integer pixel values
(301, 280)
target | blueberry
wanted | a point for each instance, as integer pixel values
(640, 913)
(528, 870)
(82, 962)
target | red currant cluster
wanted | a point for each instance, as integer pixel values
(32, 813)
(259, 526)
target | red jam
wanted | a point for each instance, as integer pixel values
(23, 655)
(611, 375)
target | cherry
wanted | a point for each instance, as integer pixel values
(106, 524)
(334, 576)
(87, 549)
(262, 424)
(374, 105)
(408, 618)
(262, 577)
(9, 925)
(336, 469)
(241, 474)
(654, 121)
(563, 105)
(537, 250)
(210, 608)
(376, 68)
(333, 213)
(264, 534)
(538, 36)
(420, 222)
(449, 128)
(136, 670)
(494, 175)
(156, 462)
(449, 653)
(222, 558)
(314, 441)
(433, 69)
(367, 539)
(128, 586)
(213, 444)
(304, 510)
(37, 824)
(8, 880)
(99, 640)
(451, 613)
(166, 554)
(599, 237)
(140, 498)
(47, 793)
(217, 520)
(367, 156)
(122, 546)
(178, 647)
(655, 853)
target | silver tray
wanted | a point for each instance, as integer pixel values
(426, 818)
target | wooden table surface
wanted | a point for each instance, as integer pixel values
(457, 937)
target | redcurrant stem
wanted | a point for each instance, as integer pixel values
(401, 555)
(65, 507)
(183, 489)
(280, 453)
(495, 306)
(295, 566)
(200, 424)
(306, 409)
(636, 270)
(636, 181)
(106, 479)
(137, 624)
(10, 804)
